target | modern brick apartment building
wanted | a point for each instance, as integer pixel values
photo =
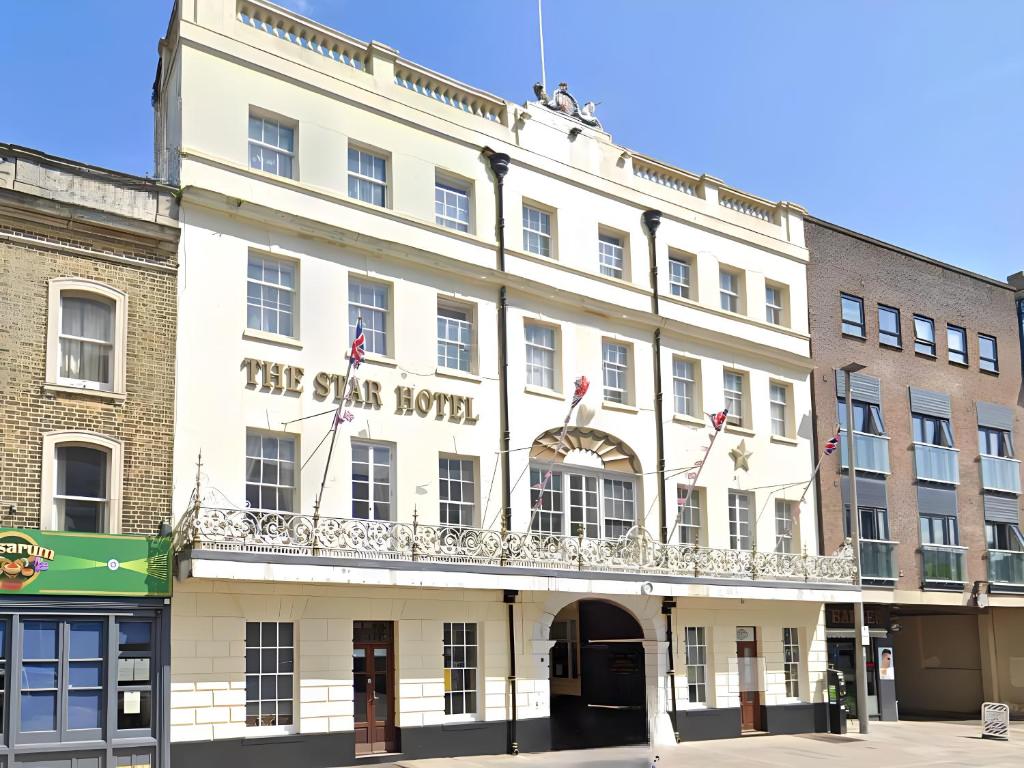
(937, 422)
(88, 280)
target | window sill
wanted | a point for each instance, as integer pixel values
(736, 430)
(251, 334)
(783, 440)
(99, 394)
(896, 347)
(455, 373)
(460, 720)
(621, 407)
(988, 373)
(692, 421)
(532, 389)
(925, 355)
(959, 364)
(853, 336)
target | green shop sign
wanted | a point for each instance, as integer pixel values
(63, 563)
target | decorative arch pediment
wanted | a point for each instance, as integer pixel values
(614, 454)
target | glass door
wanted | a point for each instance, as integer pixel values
(374, 687)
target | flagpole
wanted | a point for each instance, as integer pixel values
(814, 474)
(540, 27)
(334, 434)
(694, 476)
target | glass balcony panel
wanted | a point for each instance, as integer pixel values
(1005, 567)
(942, 563)
(999, 474)
(872, 452)
(876, 559)
(937, 464)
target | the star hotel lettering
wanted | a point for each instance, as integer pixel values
(289, 379)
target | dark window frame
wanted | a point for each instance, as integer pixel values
(1001, 439)
(962, 333)
(898, 344)
(862, 333)
(945, 525)
(941, 427)
(993, 362)
(867, 417)
(873, 520)
(923, 346)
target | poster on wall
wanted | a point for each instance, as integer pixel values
(886, 670)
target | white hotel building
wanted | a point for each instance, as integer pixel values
(422, 609)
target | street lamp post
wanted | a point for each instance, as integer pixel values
(858, 607)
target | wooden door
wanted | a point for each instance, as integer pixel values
(750, 695)
(374, 690)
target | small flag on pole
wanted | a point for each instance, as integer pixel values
(831, 445)
(343, 417)
(358, 345)
(718, 419)
(582, 385)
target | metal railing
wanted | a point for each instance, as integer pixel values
(942, 563)
(1006, 567)
(872, 452)
(936, 463)
(1000, 474)
(274, 533)
(876, 559)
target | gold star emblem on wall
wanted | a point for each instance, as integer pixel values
(741, 456)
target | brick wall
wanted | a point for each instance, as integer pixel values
(42, 238)
(842, 262)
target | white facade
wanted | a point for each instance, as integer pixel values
(224, 65)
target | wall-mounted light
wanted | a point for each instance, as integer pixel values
(574, 132)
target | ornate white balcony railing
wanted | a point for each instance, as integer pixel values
(253, 531)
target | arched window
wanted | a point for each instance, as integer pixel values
(86, 339)
(81, 483)
(593, 487)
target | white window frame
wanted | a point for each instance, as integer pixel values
(466, 324)
(680, 382)
(786, 527)
(448, 628)
(733, 295)
(730, 396)
(263, 434)
(683, 289)
(540, 235)
(691, 517)
(467, 505)
(612, 256)
(357, 175)
(558, 499)
(780, 409)
(696, 653)
(738, 524)
(791, 661)
(291, 264)
(621, 392)
(371, 482)
(452, 191)
(278, 150)
(48, 519)
(292, 727)
(89, 289)
(366, 311)
(776, 312)
(532, 367)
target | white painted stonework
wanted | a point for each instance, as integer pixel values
(217, 69)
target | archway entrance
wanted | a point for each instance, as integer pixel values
(598, 690)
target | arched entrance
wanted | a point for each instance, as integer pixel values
(598, 688)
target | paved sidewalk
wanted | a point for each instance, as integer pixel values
(907, 744)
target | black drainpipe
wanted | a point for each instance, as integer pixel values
(499, 165)
(667, 604)
(510, 599)
(652, 219)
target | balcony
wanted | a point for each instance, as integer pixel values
(872, 452)
(876, 560)
(937, 464)
(942, 564)
(1005, 567)
(999, 474)
(349, 541)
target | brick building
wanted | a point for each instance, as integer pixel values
(88, 280)
(936, 417)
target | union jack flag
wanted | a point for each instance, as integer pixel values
(718, 419)
(358, 345)
(831, 445)
(582, 385)
(343, 416)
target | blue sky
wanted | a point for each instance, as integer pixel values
(903, 120)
